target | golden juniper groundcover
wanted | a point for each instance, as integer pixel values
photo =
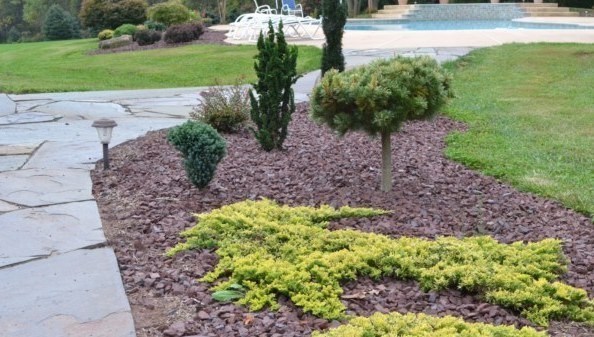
(421, 325)
(270, 249)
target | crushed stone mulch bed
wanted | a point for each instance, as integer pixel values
(146, 200)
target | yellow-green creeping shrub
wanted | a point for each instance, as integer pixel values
(270, 250)
(421, 325)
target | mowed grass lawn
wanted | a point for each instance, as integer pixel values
(530, 111)
(66, 66)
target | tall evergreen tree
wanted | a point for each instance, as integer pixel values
(59, 24)
(334, 18)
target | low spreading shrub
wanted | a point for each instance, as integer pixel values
(145, 37)
(224, 108)
(125, 29)
(271, 250)
(421, 325)
(105, 34)
(202, 148)
(184, 33)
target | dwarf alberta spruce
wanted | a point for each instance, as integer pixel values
(421, 325)
(271, 250)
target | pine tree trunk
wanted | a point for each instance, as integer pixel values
(386, 185)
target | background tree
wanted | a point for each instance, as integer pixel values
(273, 102)
(110, 14)
(11, 15)
(379, 97)
(35, 11)
(334, 19)
(169, 13)
(354, 6)
(59, 24)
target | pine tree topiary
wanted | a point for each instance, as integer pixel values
(59, 24)
(334, 18)
(273, 102)
(379, 98)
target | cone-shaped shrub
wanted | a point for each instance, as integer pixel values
(59, 24)
(202, 148)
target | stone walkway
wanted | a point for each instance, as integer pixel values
(58, 275)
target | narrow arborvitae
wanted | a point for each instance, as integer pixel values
(334, 18)
(272, 100)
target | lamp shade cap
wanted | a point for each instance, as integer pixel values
(104, 123)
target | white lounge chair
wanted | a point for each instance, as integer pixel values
(249, 26)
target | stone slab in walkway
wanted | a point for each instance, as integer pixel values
(83, 110)
(10, 163)
(6, 207)
(28, 117)
(7, 106)
(71, 295)
(40, 187)
(72, 155)
(8, 150)
(43, 231)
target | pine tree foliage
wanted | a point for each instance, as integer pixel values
(59, 24)
(334, 18)
(272, 100)
(379, 98)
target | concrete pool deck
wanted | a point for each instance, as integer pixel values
(361, 40)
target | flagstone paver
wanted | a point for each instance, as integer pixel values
(43, 231)
(76, 294)
(7, 106)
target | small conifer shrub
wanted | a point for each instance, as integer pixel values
(202, 149)
(378, 98)
(105, 34)
(272, 100)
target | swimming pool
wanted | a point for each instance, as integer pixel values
(454, 25)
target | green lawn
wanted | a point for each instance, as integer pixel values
(530, 111)
(66, 66)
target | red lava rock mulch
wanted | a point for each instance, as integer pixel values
(146, 200)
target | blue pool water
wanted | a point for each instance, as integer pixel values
(453, 25)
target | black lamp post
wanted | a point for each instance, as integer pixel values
(104, 128)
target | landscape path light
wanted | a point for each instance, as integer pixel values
(104, 129)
